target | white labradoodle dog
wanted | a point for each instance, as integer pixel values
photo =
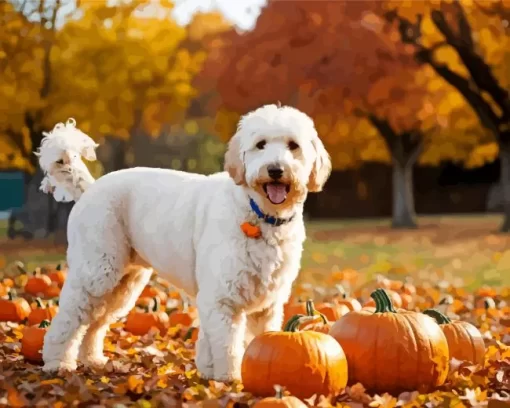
(188, 227)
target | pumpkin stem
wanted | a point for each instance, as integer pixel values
(11, 294)
(155, 308)
(57, 302)
(311, 311)
(279, 391)
(38, 301)
(383, 303)
(341, 290)
(59, 267)
(439, 317)
(44, 324)
(489, 303)
(291, 325)
(189, 333)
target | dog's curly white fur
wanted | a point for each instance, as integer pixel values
(187, 226)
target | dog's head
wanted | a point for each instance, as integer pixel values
(277, 153)
(60, 156)
(64, 147)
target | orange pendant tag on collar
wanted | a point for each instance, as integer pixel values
(250, 230)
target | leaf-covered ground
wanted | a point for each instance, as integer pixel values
(458, 260)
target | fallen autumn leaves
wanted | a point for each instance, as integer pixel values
(155, 370)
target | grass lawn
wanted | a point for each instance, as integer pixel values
(464, 249)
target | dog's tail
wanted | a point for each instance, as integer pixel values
(60, 156)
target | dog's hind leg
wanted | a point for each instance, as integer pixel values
(117, 305)
(82, 297)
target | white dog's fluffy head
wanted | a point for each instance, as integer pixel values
(60, 157)
(277, 153)
(65, 143)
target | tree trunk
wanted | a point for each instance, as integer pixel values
(504, 180)
(404, 215)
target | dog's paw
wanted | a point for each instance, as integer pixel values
(227, 377)
(95, 362)
(60, 367)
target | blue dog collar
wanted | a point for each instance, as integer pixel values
(268, 218)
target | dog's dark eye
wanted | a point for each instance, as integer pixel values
(293, 145)
(260, 145)
(60, 161)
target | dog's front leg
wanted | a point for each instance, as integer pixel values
(224, 331)
(269, 319)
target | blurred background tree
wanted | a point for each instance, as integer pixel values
(346, 66)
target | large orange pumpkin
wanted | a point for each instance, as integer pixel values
(13, 309)
(279, 401)
(390, 351)
(32, 341)
(464, 340)
(304, 362)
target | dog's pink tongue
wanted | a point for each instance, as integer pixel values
(276, 193)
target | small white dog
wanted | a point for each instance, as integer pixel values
(188, 227)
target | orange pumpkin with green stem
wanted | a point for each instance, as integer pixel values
(41, 312)
(332, 311)
(140, 323)
(406, 350)
(304, 362)
(280, 401)
(343, 299)
(58, 276)
(37, 284)
(14, 309)
(33, 340)
(184, 317)
(151, 291)
(465, 341)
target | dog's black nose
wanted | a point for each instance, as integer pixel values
(275, 172)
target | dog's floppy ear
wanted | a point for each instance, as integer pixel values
(321, 168)
(89, 152)
(234, 164)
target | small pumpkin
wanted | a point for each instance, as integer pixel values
(41, 312)
(184, 317)
(192, 334)
(8, 283)
(140, 322)
(53, 291)
(14, 309)
(37, 284)
(151, 291)
(304, 362)
(465, 341)
(350, 302)
(58, 276)
(280, 401)
(390, 350)
(33, 340)
(332, 311)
